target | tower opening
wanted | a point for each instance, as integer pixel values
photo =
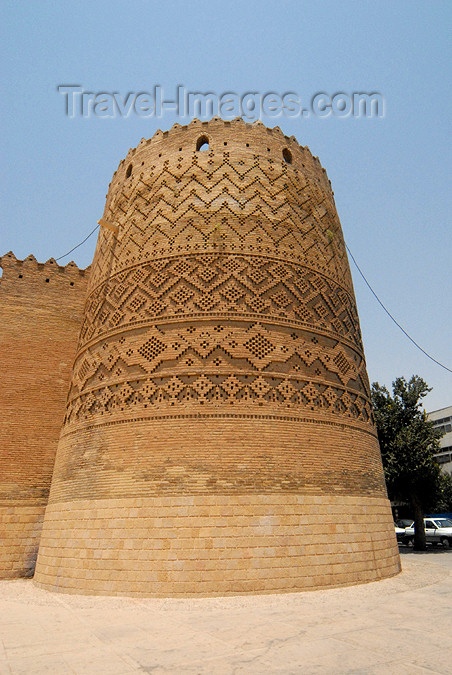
(202, 144)
(287, 156)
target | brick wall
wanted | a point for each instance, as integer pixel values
(40, 307)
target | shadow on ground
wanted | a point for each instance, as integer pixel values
(430, 550)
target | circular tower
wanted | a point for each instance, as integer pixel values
(218, 435)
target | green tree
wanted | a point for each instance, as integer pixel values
(443, 502)
(408, 444)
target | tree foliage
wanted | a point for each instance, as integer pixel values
(408, 444)
(443, 502)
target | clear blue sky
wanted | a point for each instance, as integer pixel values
(391, 175)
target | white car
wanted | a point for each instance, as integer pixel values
(437, 531)
(400, 533)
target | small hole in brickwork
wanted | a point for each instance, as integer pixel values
(247, 145)
(202, 144)
(180, 149)
(268, 149)
(287, 156)
(129, 171)
(47, 281)
(21, 276)
(225, 143)
(71, 283)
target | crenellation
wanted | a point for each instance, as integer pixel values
(222, 137)
(29, 269)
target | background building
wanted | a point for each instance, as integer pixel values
(442, 419)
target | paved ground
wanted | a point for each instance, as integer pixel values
(401, 625)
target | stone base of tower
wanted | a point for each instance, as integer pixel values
(216, 545)
(20, 532)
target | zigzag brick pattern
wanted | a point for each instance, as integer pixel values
(41, 307)
(219, 364)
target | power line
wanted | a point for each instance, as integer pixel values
(82, 242)
(391, 317)
(361, 273)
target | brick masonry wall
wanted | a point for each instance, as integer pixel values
(40, 307)
(220, 356)
(229, 454)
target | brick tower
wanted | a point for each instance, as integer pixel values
(218, 436)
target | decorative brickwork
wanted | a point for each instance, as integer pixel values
(219, 363)
(41, 309)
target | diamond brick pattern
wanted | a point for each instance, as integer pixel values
(259, 346)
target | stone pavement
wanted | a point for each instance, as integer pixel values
(400, 625)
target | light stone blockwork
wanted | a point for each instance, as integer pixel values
(215, 545)
(20, 533)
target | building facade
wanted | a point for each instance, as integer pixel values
(442, 419)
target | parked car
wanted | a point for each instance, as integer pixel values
(404, 523)
(400, 533)
(437, 531)
(400, 530)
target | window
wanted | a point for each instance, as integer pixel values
(287, 156)
(202, 144)
(129, 171)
